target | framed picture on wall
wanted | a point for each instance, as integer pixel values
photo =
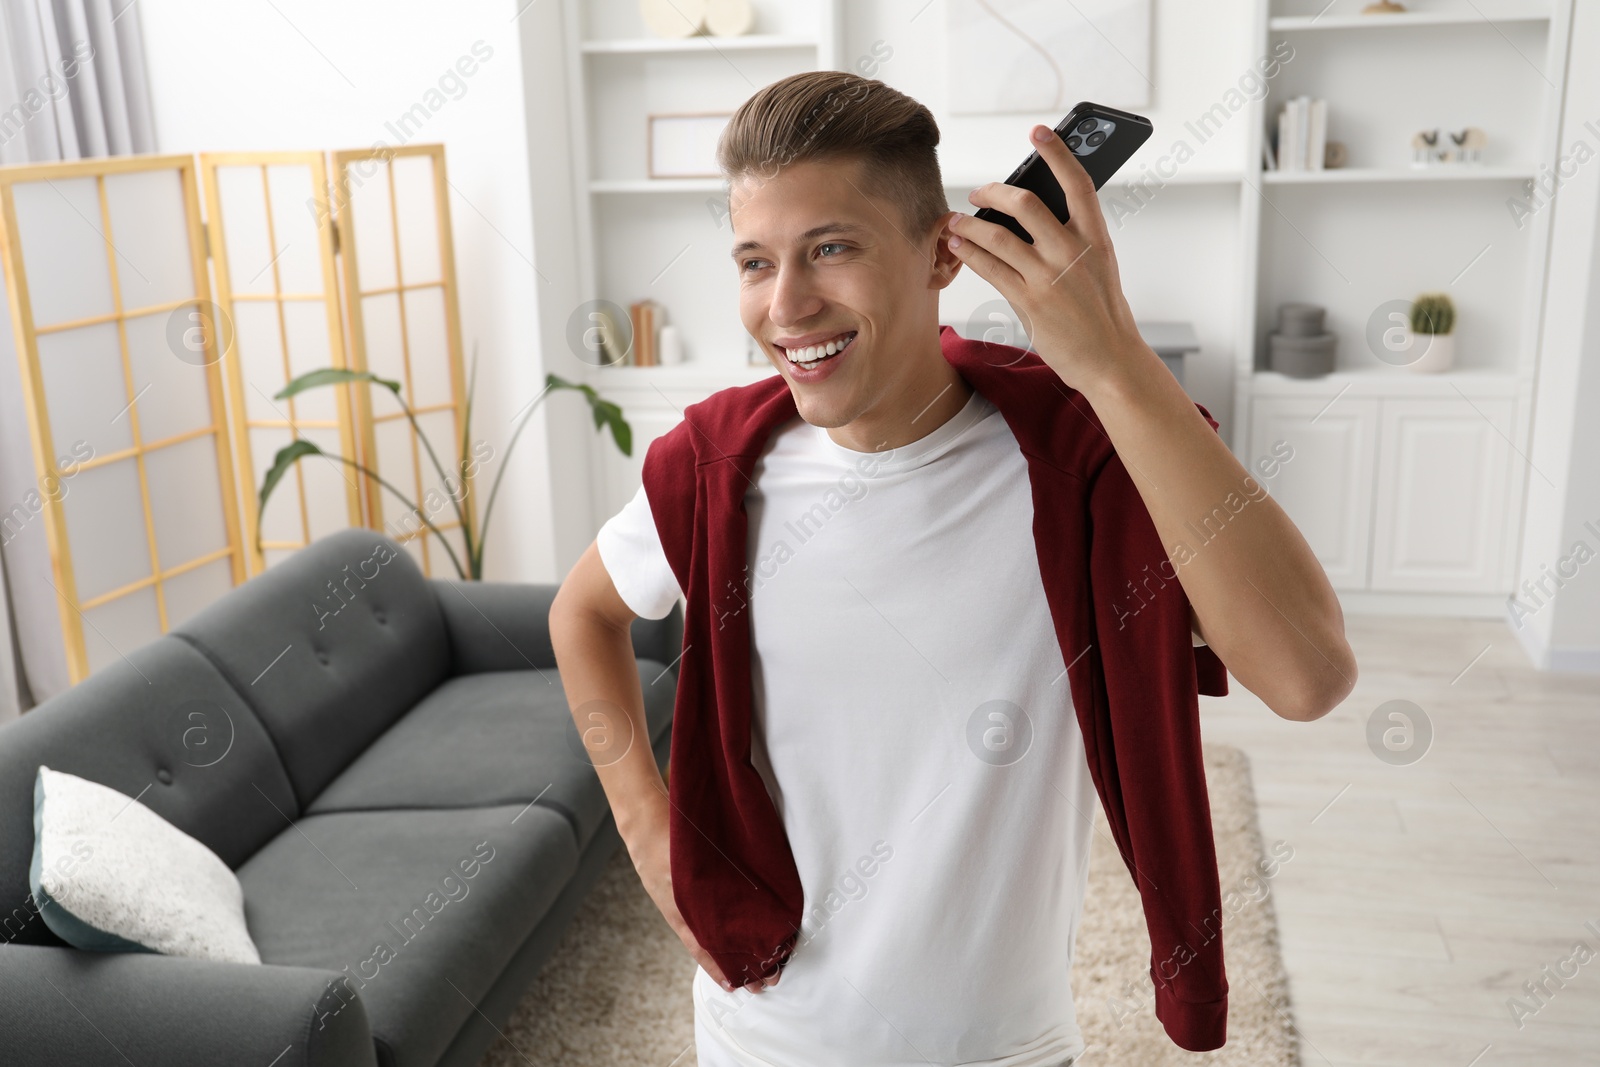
(685, 145)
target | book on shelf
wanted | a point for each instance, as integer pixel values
(607, 332)
(1317, 138)
(1302, 135)
(646, 317)
(1286, 137)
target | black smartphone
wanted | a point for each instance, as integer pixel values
(1102, 138)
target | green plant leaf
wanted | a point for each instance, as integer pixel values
(604, 411)
(608, 414)
(286, 457)
(333, 376)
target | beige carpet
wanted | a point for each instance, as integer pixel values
(617, 990)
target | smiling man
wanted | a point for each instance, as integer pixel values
(920, 571)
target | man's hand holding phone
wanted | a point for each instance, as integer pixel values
(1065, 286)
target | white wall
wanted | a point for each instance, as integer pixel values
(1559, 625)
(295, 74)
(571, 434)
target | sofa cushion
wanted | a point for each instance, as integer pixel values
(420, 910)
(330, 647)
(159, 724)
(111, 875)
(495, 738)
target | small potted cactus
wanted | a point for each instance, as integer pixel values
(1433, 318)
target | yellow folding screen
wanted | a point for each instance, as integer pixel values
(400, 295)
(107, 290)
(272, 247)
(158, 403)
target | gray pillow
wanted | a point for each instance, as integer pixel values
(111, 875)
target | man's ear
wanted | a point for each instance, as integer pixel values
(946, 264)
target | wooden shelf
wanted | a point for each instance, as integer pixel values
(1300, 23)
(656, 45)
(1444, 172)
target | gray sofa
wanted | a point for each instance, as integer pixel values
(346, 764)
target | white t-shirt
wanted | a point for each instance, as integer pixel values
(915, 728)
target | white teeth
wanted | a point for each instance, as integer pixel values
(812, 353)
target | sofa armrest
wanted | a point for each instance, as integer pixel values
(60, 1005)
(505, 626)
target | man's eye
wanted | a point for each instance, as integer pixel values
(745, 266)
(833, 244)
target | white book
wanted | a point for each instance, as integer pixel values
(1317, 145)
(1302, 132)
(1287, 158)
(1293, 156)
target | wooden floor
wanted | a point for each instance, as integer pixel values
(1420, 898)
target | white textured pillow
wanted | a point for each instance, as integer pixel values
(111, 875)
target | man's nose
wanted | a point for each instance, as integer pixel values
(794, 296)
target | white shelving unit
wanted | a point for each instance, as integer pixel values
(656, 45)
(1406, 484)
(1442, 173)
(1302, 23)
(665, 238)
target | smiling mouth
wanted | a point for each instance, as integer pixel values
(813, 355)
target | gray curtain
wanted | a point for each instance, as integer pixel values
(72, 86)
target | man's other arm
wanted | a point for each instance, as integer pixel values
(589, 629)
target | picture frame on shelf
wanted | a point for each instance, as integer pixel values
(684, 144)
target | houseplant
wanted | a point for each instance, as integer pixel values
(606, 414)
(1433, 317)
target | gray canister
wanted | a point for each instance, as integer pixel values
(1300, 347)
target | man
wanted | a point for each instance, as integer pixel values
(897, 610)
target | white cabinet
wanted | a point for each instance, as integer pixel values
(653, 400)
(1394, 494)
(1325, 485)
(1421, 514)
(1441, 496)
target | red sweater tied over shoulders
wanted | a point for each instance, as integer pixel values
(1122, 621)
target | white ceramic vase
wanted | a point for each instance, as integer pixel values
(669, 346)
(729, 18)
(674, 18)
(1438, 352)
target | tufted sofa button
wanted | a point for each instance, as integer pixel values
(377, 613)
(164, 776)
(322, 658)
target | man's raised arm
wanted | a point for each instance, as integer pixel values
(1258, 593)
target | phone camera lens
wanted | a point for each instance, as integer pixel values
(1096, 137)
(1086, 125)
(1074, 142)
